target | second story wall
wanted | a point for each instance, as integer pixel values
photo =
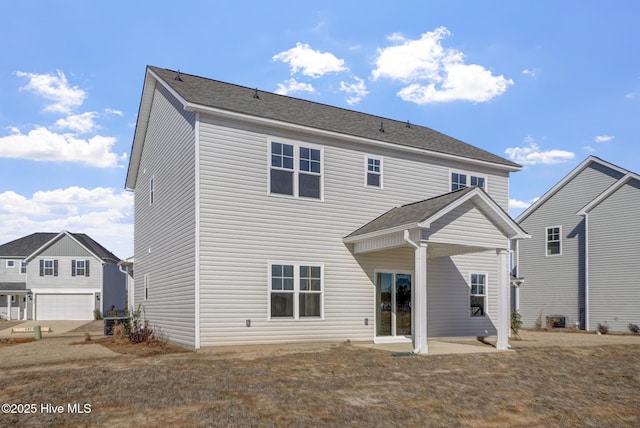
(10, 270)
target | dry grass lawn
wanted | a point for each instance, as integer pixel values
(339, 385)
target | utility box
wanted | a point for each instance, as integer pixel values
(110, 322)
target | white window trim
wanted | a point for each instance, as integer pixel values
(394, 272)
(295, 292)
(84, 267)
(25, 267)
(469, 174)
(11, 264)
(486, 296)
(44, 267)
(296, 168)
(366, 171)
(546, 240)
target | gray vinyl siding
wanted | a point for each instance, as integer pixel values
(243, 228)
(65, 246)
(614, 260)
(11, 274)
(554, 285)
(114, 291)
(64, 281)
(164, 241)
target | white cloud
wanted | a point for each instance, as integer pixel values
(589, 149)
(82, 123)
(516, 204)
(356, 91)
(631, 95)
(292, 86)
(55, 88)
(530, 73)
(531, 154)
(433, 73)
(603, 138)
(43, 145)
(103, 213)
(112, 111)
(310, 62)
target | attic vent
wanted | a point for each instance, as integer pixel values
(178, 77)
(255, 95)
(381, 127)
(408, 125)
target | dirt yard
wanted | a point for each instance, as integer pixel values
(328, 385)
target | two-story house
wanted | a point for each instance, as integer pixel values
(262, 218)
(582, 264)
(59, 276)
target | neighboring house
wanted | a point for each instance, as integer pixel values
(582, 265)
(261, 218)
(58, 276)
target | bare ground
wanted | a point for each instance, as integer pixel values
(334, 385)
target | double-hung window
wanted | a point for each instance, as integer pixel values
(23, 266)
(48, 267)
(295, 291)
(79, 267)
(478, 295)
(554, 240)
(461, 180)
(295, 170)
(373, 177)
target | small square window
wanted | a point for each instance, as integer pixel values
(11, 264)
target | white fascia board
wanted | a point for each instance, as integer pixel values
(496, 211)
(56, 238)
(338, 136)
(139, 135)
(526, 213)
(84, 290)
(378, 233)
(608, 192)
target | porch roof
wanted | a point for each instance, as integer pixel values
(7, 287)
(421, 215)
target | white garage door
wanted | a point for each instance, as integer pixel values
(64, 306)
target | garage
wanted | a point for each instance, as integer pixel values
(64, 306)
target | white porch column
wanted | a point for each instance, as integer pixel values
(420, 300)
(9, 306)
(504, 317)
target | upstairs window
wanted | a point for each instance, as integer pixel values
(295, 171)
(461, 180)
(373, 176)
(23, 266)
(79, 267)
(11, 264)
(554, 242)
(48, 267)
(478, 295)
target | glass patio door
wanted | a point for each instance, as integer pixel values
(393, 304)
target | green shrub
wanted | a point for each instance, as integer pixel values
(516, 321)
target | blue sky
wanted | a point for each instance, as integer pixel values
(544, 83)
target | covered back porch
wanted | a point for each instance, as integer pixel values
(440, 268)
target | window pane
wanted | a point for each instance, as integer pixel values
(276, 270)
(276, 160)
(553, 248)
(315, 285)
(287, 283)
(315, 167)
(281, 182)
(276, 283)
(315, 155)
(477, 306)
(304, 271)
(309, 305)
(304, 284)
(309, 186)
(287, 150)
(304, 165)
(304, 153)
(373, 180)
(281, 305)
(315, 272)
(288, 271)
(287, 163)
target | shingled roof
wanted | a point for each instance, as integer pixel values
(251, 101)
(411, 213)
(27, 245)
